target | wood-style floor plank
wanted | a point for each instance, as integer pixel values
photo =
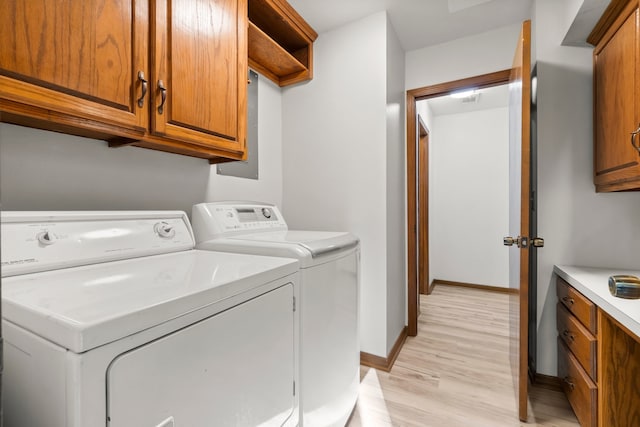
(456, 372)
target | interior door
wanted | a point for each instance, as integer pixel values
(519, 211)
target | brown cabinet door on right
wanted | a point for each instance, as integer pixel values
(78, 59)
(617, 104)
(199, 58)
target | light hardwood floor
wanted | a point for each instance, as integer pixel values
(455, 372)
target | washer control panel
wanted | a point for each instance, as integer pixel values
(254, 214)
(218, 219)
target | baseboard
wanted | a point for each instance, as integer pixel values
(384, 363)
(431, 286)
(473, 286)
(548, 382)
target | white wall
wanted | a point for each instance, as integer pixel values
(465, 57)
(268, 188)
(424, 110)
(335, 159)
(41, 170)
(396, 191)
(580, 227)
(470, 186)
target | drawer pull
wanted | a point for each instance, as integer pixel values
(568, 300)
(568, 382)
(568, 335)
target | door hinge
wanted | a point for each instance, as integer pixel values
(532, 200)
(294, 388)
(294, 303)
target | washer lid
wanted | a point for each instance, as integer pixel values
(316, 242)
(84, 307)
(307, 246)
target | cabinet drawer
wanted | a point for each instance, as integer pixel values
(580, 390)
(579, 305)
(578, 339)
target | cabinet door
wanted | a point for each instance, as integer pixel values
(200, 69)
(75, 58)
(617, 101)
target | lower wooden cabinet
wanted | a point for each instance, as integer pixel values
(580, 389)
(598, 362)
(577, 352)
(619, 374)
(580, 342)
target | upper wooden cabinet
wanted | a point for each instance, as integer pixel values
(74, 57)
(166, 74)
(616, 74)
(280, 42)
(199, 65)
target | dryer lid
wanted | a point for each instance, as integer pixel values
(85, 307)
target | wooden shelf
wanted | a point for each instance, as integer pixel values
(269, 58)
(280, 42)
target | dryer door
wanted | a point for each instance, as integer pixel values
(233, 369)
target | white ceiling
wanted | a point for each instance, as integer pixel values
(588, 14)
(418, 23)
(491, 97)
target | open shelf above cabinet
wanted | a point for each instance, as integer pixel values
(280, 42)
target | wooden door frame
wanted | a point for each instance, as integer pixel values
(414, 95)
(423, 207)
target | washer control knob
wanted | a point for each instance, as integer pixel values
(46, 238)
(266, 212)
(164, 230)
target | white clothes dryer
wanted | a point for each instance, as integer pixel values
(329, 267)
(113, 319)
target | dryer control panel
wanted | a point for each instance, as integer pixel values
(41, 241)
(220, 219)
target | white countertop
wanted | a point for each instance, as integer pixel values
(593, 283)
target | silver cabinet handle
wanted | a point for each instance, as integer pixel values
(633, 139)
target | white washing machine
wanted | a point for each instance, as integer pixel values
(329, 267)
(113, 319)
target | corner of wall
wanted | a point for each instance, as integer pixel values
(395, 188)
(334, 156)
(269, 186)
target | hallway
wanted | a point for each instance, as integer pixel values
(456, 371)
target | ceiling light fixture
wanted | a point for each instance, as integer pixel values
(463, 93)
